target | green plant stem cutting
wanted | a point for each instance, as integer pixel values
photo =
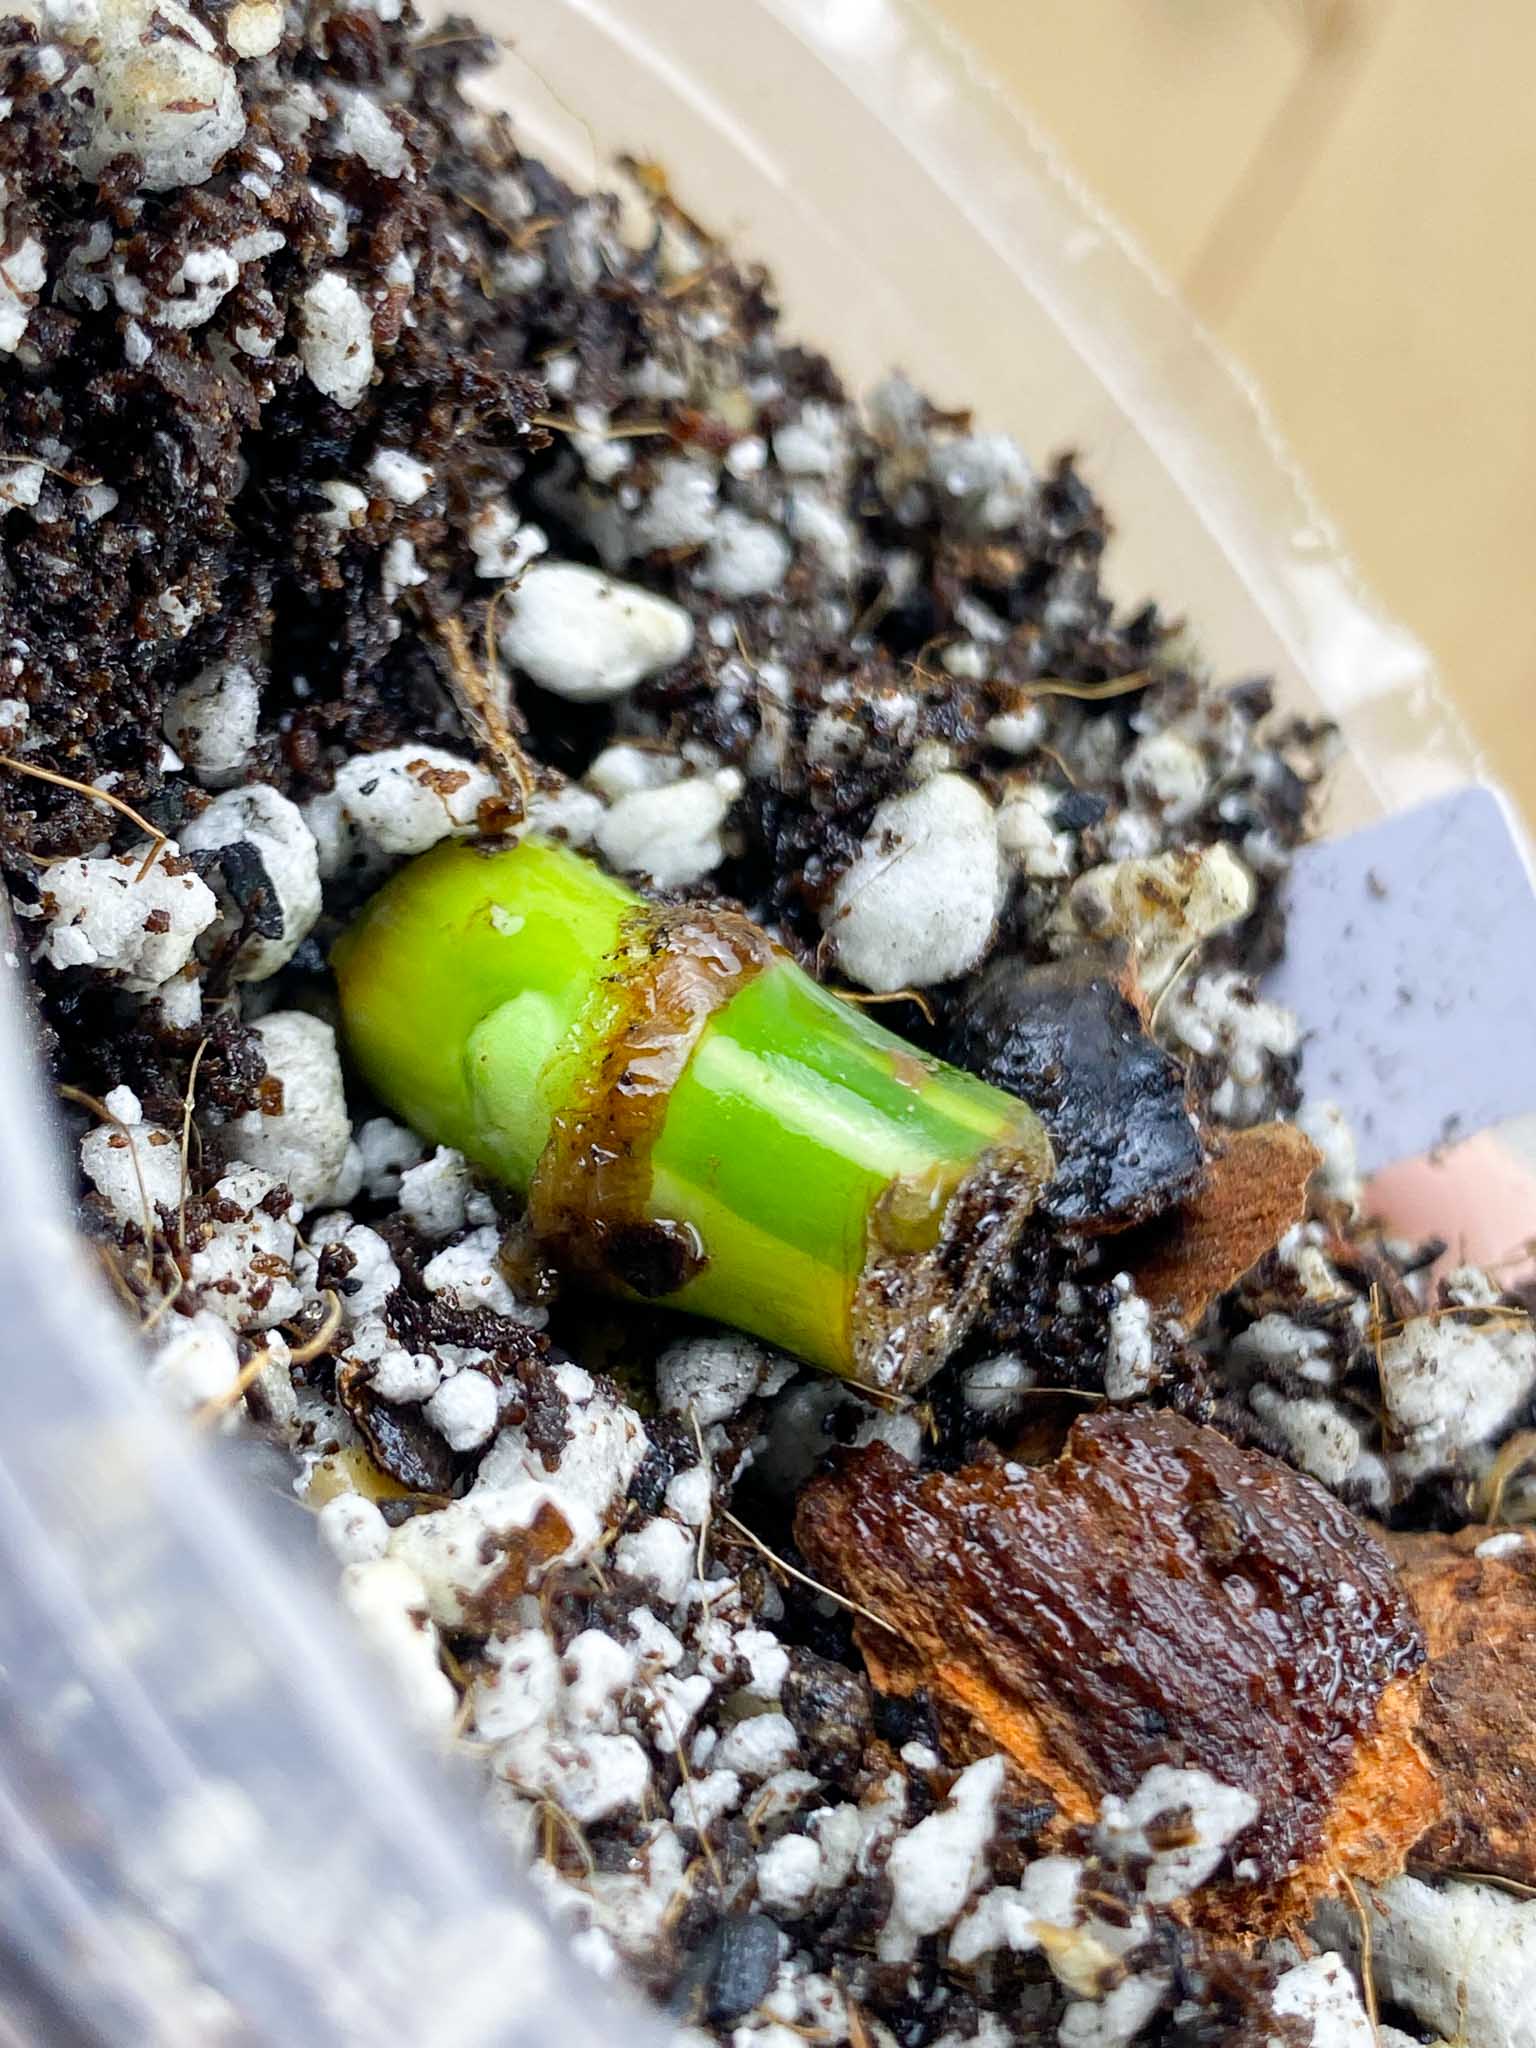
(693, 1120)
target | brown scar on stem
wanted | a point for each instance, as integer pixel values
(589, 1198)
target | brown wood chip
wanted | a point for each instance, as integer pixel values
(1479, 1713)
(1256, 1190)
(1158, 1595)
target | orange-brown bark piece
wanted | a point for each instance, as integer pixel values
(1255, 1190)
(1157, 1595)
(1479, 1714)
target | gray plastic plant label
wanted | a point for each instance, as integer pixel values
(1411, 960)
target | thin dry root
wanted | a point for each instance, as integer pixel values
(186, 1143)
(476, 698)
(791, 1572)
(1367, 1979)
(101, 796)
(1513, 1456)
(325, 1336)
(212, 1411)
(896, 995)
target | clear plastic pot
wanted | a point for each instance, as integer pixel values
(211, 1827)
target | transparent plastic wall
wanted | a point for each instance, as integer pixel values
(211, 1827)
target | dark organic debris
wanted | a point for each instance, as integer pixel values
(1070, 1037)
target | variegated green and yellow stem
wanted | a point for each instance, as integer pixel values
(693, 1119)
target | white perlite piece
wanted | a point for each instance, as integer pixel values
(934, 1869)
(1275, 1347)
(689, 1494)
(746, 557)
(374, 1276)
(1012, 1916)
(662, 1554)
(503, 544)
(996, 1386)
(389, 1604)
(1461, 1957)
(698, 1803)
(463, 1410)
(468, 1274)
(1450, 1384)
(672, 834)
(1323, 1990)
(400, 569)
(352, 1529)
(196, 1362)
(787, 1874)
(624, 768)
(400, 476)
(830, 534)
(1130, 1366)
(434, 1193)
(253, 28)
(23, 273)
(1330, 1131)
(983, 481)
(1223, 1014)
(1162, 906)
(756, 1748)
(1028, 836)
(105, 913)
(211, 722)
(919, 904)
(714, 1377)
(1217, 1814)
(519, 1687)
(570, 814)
(347, 506)
(459, 1550)
(336, 339)
(813, 444)
(132, 1166)
(364, 129)
(157, 90)
(1321, 1437)
(305, 1144)
(1168, 772)
(590, 1775)
(1116, 2019)
(384, 1150)
(902, 1433)
(391, 805)
(21, 485)
(244, 1268)
(273, 827)
(587, 637)
(680, 511)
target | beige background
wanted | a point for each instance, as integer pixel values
(1348, 192)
